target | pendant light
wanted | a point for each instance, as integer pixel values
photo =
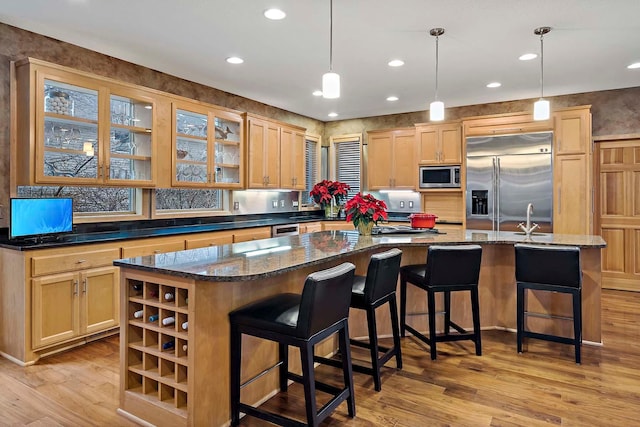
(541, 110)
(436, 108)
(331, 80)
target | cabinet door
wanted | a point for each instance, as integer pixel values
(251, 234)
(292, 159)
(228, 161)
(379, 164)
(572, 195)
(428, 145)
(191, 147)
(215, 239)
(55, 302)
(404, 163)
(257, 150)
(99, 291)
(573, 132)
(450, 143)
(152, 248)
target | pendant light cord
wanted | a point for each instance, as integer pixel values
(541, 65)
(331, 35)
(437, 39)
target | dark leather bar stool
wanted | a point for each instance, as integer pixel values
(448, 269)
(553, 269)
(301, 321)
(370, 292)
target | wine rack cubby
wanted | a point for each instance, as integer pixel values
(157, 344)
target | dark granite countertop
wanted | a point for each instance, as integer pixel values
(263, 258)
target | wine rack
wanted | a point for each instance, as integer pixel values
(157, 344)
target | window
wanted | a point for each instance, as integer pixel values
(188, 200)
(89, 201)
(312, 167)
(346, 160)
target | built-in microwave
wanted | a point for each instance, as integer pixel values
(439, 177)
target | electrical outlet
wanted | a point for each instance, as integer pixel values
(282, 203)
(236, 206)
(402, 204)
(274, 204)
(295, 203)
(410, 204)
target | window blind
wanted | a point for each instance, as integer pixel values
(311, 169)
(348, 159)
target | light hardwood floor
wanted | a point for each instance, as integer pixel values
(541, 387)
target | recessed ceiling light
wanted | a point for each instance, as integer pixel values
(392, 98)
(634, 66)
(333, 114)
(396, 63)
(274, 14)
(494, 84)
(317, 93)
(528, 56)
(235, 60)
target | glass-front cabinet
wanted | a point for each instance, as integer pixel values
(207, 147)
(83, 129)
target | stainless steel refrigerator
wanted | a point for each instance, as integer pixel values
(504, 174)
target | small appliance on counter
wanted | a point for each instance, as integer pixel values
(422, 220)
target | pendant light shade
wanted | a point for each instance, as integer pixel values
(331, 80)
(436, 109)
(541, 108)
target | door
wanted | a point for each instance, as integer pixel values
(99, 289)
(55, 309)
(481, 193)
(524, 179)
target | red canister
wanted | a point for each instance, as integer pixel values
(422, 220)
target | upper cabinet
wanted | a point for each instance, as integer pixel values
(275, 154)
(207, 147)
(75, 128)
(391, 159)
(439, 143)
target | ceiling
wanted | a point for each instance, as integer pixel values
(588, 49)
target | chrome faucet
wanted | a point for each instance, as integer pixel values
(528, 228)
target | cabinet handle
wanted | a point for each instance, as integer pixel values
(84, 285)
(107, 168)
(75, 287)
(157, 251)
(80, 261)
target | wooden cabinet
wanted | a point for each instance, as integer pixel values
(310, 227)
(503, 124)
(154, 246)
(292, 159)
(572, 174)
(618, 210)
(209, 239)
(337, 225)
(275, 154)
(75, 128)
(247, 234)
(439, 144)
(207, 146)
(263, 143)
(391, 162)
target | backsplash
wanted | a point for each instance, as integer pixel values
(263, 201)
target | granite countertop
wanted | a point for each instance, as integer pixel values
(263, 258)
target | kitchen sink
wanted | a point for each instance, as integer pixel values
(522, 233)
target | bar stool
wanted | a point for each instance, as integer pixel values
(301, 321)
(448, 269)
(368, 293)
(554, 269)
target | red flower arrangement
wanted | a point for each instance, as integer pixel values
(365, 209)
(326, 190)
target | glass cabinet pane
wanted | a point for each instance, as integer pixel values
(227, 151)
(186, 172)
(192, 148)
(69, 100)
(131, 112)
(192, 124)
(70, 148)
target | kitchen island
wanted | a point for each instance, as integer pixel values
(178, 373)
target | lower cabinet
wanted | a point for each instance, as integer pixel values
(310, 227)
(248, 234)
(209, 239)
(69, 305)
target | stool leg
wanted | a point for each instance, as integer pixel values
(235, 356)
(577, 323)
(403, 306)
(394, 330)
(373, 346)
(520, 315)
(475, 309)
(309, 383)
(447, 312)
(283, 353)
(347, 367)
(431, 303)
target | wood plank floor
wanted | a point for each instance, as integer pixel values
(541, 387)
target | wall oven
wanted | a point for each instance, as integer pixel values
(439, 177)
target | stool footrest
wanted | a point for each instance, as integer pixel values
(547, 337)
(260, 375)
(319, 385)
(270, 416)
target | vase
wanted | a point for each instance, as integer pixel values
(331, 211)
(364, 229)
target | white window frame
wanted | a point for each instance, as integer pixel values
(304, 196)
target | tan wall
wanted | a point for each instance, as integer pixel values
(614, 111)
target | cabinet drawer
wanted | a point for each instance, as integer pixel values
(50, 264)
(251, 234)
(152, 249)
